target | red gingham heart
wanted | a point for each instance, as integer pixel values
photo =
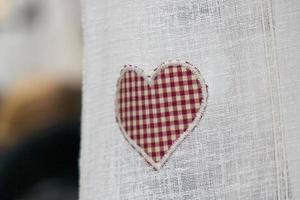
(155, 113)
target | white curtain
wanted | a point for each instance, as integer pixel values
(247, 144)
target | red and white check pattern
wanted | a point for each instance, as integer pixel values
(155, 114)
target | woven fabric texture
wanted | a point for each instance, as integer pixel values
(155, 112)
(247, 144)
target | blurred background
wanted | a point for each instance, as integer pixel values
(40, 98)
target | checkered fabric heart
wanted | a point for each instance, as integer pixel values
(155, 113)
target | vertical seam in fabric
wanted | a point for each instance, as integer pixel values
(275, 95)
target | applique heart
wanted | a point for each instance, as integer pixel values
(155, 113)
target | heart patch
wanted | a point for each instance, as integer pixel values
(155, 113)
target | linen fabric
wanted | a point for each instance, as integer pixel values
(247, 144)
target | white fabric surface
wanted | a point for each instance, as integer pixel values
(287, 26)
(247, 51)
